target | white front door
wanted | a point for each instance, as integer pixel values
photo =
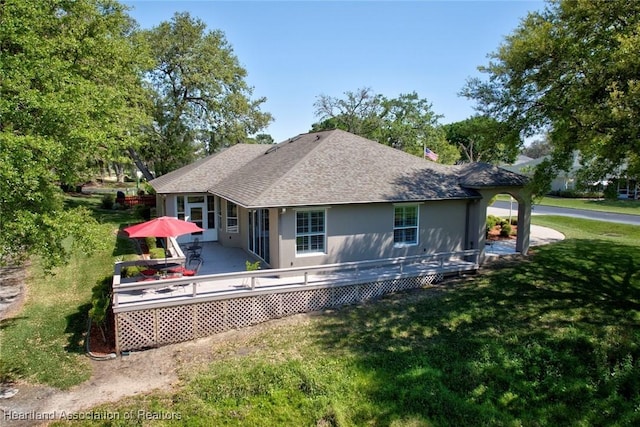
(195, 213)
(199, 209)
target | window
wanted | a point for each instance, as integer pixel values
(211, 212)
(195, 199)
(232, 217)
(180, 207)
(405, 225)
(310, 232)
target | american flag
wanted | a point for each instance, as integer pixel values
(430, 155)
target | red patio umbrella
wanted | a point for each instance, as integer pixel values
(164, 226)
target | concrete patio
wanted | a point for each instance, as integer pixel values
(218, 259)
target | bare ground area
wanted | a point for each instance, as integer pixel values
(11, 290)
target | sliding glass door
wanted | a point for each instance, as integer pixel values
(259, 233)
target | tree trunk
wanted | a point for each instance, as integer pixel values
(119, 172)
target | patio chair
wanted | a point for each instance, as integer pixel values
(194, 251)
(149, 267)
(193, 267)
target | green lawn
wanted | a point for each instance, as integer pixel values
(630, 207)
(551, 340)
(44, 342)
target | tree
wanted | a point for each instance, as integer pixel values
(69, 92)
(201, 99)
(538, 148)
(263, 138)
(406, 122)
(571, 70)
(483, 139)
(358, 112)
(409, 124)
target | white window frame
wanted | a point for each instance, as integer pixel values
(309, 233)
(231, 228)
(181, 200)
(405, 226)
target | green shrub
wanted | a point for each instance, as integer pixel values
(578, 194)
(156, 253)
(611, 191)
(506, 230)
(132, 271)
(148, 188)
(252, 266)
(492, 221)
(108, 201)
(100, 301)
(143, 212)
(151, 243)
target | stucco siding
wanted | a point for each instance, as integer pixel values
(364, 232)
(274, 239)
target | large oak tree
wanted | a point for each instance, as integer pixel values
(572, 70)
(69, 93)
(202, 101)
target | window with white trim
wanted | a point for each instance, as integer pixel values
(180, 207)
(310, 232)
(232, 217)
(405, 225)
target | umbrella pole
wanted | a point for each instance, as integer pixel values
(166, 249)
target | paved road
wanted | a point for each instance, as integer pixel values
(576, 213)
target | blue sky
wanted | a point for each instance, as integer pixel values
(295, 51)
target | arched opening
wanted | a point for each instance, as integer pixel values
(497, 208)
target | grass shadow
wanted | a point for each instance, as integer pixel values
(77, 328)
(10, 322)
(549, 341)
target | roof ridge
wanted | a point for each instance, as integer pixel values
(299, 160)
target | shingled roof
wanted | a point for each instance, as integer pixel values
(328, 168)
(204, 175)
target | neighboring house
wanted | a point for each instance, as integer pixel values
(332, 196)
(627, 187)
(565, 180)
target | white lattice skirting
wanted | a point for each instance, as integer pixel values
(154, 327)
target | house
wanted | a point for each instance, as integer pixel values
(564, 181)
(332, 196)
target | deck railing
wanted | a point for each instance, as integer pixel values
(443, 262)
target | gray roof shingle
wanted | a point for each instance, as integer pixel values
(323, 168)
(204, 174)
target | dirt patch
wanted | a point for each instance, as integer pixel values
(12, 290)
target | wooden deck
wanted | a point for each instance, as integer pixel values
(157, 312)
